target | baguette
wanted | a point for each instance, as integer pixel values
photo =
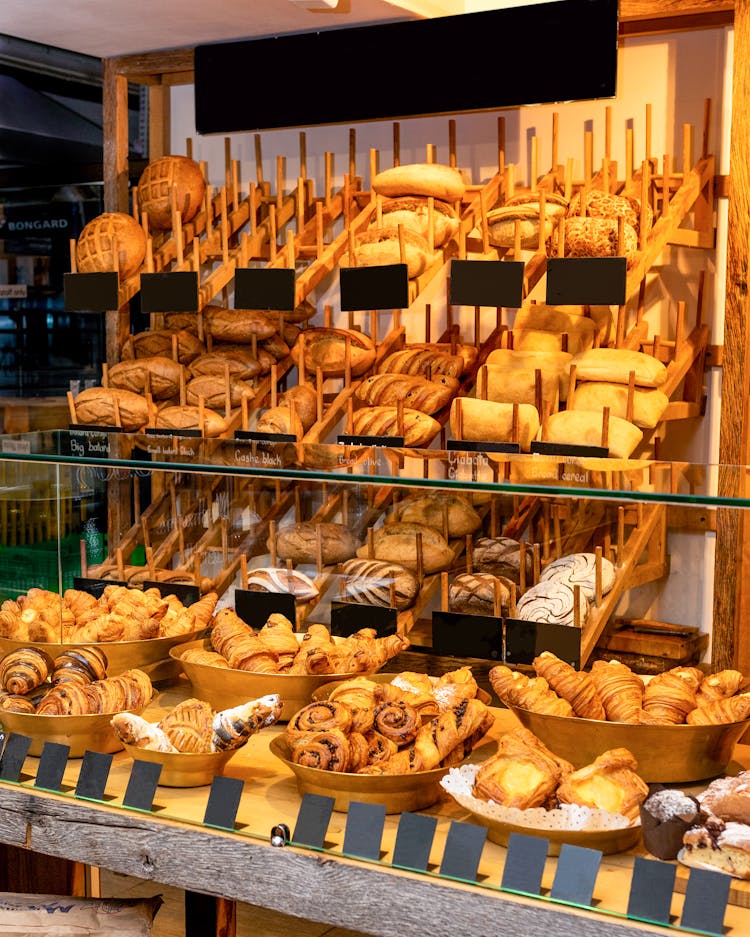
(325, 348)
(298, 542)
(96, 407)
(369, 582)
(238, 325)
(419, 429)
(649, 403)
(412, 211)
(436, 179)
(420, 360)
(397, 543)
(161, 374)
(158, 343)
(584, 428)
(487, 421)
(213, 389)
(188, 417)
(380, 246)
(615, 365)
(417, 392)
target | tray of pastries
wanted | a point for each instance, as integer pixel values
(68, 699)
(681, 725)
(237, 662)
(133, 627)
(524, 787)
(192, 742)
(365, 743)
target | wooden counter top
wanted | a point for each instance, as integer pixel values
(171, 846)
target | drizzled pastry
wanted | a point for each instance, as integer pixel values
(282, 580)
(135, 730)
(666, 815)
(233, 727)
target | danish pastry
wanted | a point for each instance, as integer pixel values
(610, 783)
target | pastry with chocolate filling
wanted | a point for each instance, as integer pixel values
(666, 815)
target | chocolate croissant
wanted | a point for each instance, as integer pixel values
(24, 669)
(79, 665)
(233, 727)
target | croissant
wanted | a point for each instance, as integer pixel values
(196, 655)
(24, 669)
(358, 695)
(233, 727)
(78, 601)
(278, 635)
(189, 726)
(719, 685)
(454, 686)
(575, 686)
(79, 665)
(15, 703)
(620, 689)
(227, 628)
(719, 711)
(610, 783)
(327, 750)
(523, 773)
(533, 693)
(319, 717)
(69, 699)
(251, 654)
(668, 698)
(134, 730)
(106, 627)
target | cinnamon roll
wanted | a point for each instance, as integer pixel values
(397, 721)
(319, 716)
(327, 750)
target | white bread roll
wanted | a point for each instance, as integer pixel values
(649, 403)
(487, 421)
(615, 365)
(563, 318)
(584, 428)
(436, 179)
(540, 327)
(516, 385)
(557, 362)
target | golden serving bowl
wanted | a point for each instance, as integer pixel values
(324, 691)
(184, 769)
(397, 792)
(224, 688)
(665, 754)
(81, 733)
(121, 655)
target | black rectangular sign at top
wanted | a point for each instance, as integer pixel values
(383, 287)
(403, 91)
(264, 288)
(486, 283)
(91, 292)
(525, 640)
(96, 587)
(593, 281)
(169, 292)
(466, 445)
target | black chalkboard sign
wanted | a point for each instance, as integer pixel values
(264, 288)
(486, 283)
(169, 292)
(91, 292)
(383, 287)
(594, 281)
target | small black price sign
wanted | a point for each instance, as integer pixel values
(264, 288)
(382, 287)
(486, 283)
(91, 292)
(593, 281)
(169, 292)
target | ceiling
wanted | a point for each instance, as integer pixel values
(111, 29)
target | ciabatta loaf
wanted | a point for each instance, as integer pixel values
(584, 428)
(649, 403)
(487, 421)
(615, 365)
(435, 179)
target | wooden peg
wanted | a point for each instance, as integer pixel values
(444, 592)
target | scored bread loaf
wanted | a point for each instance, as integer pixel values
(171, 181)
(111, 406)
(238, 325)
(420, 360)
(397, 543)
(524, 211)
(305, 403)
(280, 420)
(416, 391)
(281, 580)
(381, 246)
(501, 556)
(469, 353)
(649, 403)
(160, 342)
(298, 542)
(474, 593)
(413, 212)
(419, 429)
(375, 582)
(111, 241)
(160, 375)
(436, 179)
(615, 364)
(584, 428)
(209, 422)
(242, 365)
(325, 348)
(487, 421)
(517, 385)
(550, 362)
(213, 389)
(441, 508)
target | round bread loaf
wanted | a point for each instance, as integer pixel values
(474, 593)
(413, 212)
(434, 509)
(552, 601)
(167, 178)
(374, 582)
(111, 406)
(595, 237)
(325, 348)
(436, 179)
(190, 418)
(524, 210)
(160, 374)
(242, 365)
(305, 403)
(113, 241)
(501, 556)
(608, 205)
(579, 569)
(378, 247)
(279, 420)
(298, 542)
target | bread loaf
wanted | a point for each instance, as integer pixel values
(397, 543)
(112, 241)
(305, 403)
(501, 556)
(517, 385)
(468, 353)
(276, 347)
(238, 325)
(584, 428)
(434, 509)
(159, 343)
(377, 247)
(189, 417)
(421, 360)
(615, 365)
(608, 205)
(435, 179)
(417, 392)
(413, 212)
(540, 328)
(474, 594)
(549, 362)
(553, 601)
(486, 421)
(168, 181)
(419, 429)
(279, 420)
(161, 376)
(595, 237)
(298, 542)
(325, 348)
(282, 580)
(649, 403)
(243, 366)
(374, 582)
(181, 320)
(103, 406)
(524, 210)
(213, 389)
